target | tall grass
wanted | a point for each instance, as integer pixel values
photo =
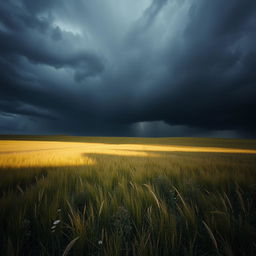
(173, 204)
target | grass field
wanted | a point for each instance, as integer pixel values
(64, 195)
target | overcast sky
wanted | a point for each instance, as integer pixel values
(128, 67)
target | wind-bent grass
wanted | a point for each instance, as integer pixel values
(60, 198)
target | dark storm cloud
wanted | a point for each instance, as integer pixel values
(34, 38)
(150, 13)
(146, 67)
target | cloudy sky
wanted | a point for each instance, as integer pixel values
(128, 67)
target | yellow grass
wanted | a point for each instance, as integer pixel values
(49, 153)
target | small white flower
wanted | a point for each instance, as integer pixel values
(56, 222)
(53, 227)
(100, 242)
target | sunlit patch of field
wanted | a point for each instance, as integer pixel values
(150, 198)
(46, 154)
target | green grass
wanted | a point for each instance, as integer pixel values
(176, 204)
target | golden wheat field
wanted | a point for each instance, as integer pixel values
(43, 154)
(127, 196)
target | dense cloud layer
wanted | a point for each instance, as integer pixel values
(144, 68)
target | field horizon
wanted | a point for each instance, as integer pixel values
(186, 141)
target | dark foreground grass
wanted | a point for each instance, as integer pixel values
(175, 204)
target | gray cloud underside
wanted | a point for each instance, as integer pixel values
(150, 67)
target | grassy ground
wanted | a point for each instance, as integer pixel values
(127, 196)
(201, 142)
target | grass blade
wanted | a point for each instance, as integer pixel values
(69, 246)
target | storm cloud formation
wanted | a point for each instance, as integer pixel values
(128, 67)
